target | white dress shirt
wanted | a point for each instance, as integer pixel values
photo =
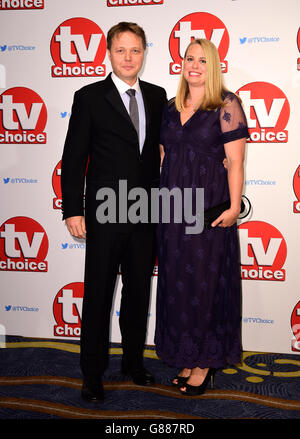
(122, 87)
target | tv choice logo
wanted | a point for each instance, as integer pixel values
(298, 44)
(197, 25)
(263, 251)
(67, 309)
(134, 2)
(23, 117)
(56, 185)
(6, 5)
(78, 48)
(23, 245)
(295, 325)
(267, 110)
(296, 185)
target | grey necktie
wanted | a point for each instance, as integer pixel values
(133, 109)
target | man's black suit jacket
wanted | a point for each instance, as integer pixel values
(102, 144)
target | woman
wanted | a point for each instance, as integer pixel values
(198, 297)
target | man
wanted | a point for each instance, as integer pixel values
(109, 139)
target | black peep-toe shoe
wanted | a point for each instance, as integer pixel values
(199, 390)
(181, 381)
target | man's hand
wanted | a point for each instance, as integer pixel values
(76, 226)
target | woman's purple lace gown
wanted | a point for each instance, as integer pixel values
(198, 317)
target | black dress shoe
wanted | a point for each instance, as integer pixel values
(92, 390)
(140, 376)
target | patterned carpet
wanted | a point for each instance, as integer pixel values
(41, 379)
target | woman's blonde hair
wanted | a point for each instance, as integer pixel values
(214, 87)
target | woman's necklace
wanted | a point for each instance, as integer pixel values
(194, 107)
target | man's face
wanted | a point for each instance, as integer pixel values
(126, 56)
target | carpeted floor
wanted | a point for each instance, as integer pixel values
(41, 379)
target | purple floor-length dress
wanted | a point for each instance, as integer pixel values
(198, 316)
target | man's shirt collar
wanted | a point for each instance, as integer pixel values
(123, 86)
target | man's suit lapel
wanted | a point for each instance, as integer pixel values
(148, 108)
(114, 98)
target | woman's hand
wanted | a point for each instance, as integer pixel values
(234, 163)
(227, 218)
(162, 154)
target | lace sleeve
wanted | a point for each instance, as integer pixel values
(233, 120)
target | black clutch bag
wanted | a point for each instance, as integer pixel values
(214, 212)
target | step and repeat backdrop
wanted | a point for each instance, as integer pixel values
(49, 49)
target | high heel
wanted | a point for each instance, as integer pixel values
(199, 390)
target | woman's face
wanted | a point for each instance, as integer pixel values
(194, 69)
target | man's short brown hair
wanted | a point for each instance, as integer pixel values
(124, 26)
